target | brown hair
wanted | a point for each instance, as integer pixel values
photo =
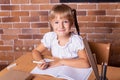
(64, 11)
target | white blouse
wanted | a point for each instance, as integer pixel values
(69, 50)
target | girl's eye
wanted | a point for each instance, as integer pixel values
(56, 22)
(66, 21)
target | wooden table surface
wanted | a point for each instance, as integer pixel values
(24, 63)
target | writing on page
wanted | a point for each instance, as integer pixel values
(65, 72)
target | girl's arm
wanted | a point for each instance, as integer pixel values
(80, 62)
(36, 53)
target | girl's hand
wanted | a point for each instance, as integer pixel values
(55, 63)
(43, 65)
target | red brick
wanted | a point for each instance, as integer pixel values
(17, 54)
(10, 7)
(8, 37)
(54, 1)
(113, 12)
(113, 36)
(19, 1)
(86, 6)
(46, 7)
(1, 31)
(73, 6)
(44, 18)
(10, 57)
(39, 25)
(10, 19)
(39, 1)
(86, 30)
(86, 18)
(6, 58)
(81, 13)
(93, 24)
(107, 6)
(82, 24)
(3, 64)
(97, 12)
(30, 7)
(30, 31)
(5, 25)
(43, 31)
(106, 19)
(103, 30)
(5, 13)
(49, 7)
(25, 37)
(96, 36)
(37, 36)
(21, 25)
(18, 42)
(5, 48)
(0, 20)
(1, 42)
(4, 1)
(30, 19)
(12, 31)
(20, 13)
(117, 19)
(39, 13)
(116, 30)
(32, 42)
(118, 7)
(8, 42)
(114, 25)
(116, 45)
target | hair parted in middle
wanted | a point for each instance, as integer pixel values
(64, 11)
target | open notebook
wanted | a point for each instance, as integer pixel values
(65, 72)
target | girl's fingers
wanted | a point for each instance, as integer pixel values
(43, 66)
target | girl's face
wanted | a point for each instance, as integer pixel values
(61, 26)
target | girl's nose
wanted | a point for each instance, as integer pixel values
(61, 25)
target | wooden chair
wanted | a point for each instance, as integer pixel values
(101, 50)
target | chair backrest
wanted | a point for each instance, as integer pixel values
(101, 51)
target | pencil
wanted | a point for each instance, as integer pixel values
(101, 78)
(104, 71)
(37, 62)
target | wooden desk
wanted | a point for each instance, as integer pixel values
(24, 63)
(113, 73)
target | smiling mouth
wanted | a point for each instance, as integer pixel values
(62, 30)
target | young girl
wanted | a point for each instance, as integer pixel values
(67, 48)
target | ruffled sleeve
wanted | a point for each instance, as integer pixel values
(47, 39)
(78, 45)
(81, 44)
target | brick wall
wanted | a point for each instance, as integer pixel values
(23, 23)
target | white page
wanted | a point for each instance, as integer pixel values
(76, 73)
(49, 71)
(65, 72)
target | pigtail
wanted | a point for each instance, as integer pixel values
(76, 22)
